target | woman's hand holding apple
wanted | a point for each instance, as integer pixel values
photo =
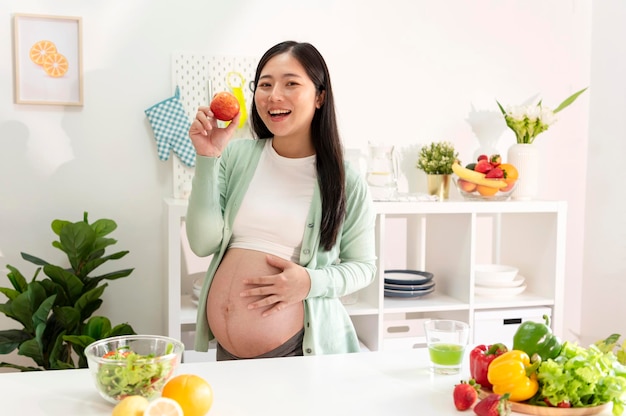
(207, 138)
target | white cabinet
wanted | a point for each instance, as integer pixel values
(446, 238)
(449, 239)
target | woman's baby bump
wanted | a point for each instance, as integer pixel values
(241, 331)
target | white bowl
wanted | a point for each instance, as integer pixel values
(486, 273)
(518, 281)
(498, 292)
(198, 281)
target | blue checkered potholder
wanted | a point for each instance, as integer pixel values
(170, 126)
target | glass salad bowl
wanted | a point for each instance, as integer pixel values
(133, 365)
(480, 192)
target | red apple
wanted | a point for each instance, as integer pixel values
(224, 106)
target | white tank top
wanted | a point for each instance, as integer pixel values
(273, 213)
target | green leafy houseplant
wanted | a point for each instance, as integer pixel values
(437, 158)
(56, 311)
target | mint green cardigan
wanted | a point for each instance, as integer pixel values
(218, 187)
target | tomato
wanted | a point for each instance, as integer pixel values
(113, 354)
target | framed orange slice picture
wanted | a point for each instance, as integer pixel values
(48, 59)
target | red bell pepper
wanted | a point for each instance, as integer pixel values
(480, 358)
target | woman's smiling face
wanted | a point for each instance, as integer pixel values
(286, 98)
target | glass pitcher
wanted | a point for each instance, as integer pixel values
(382, 171)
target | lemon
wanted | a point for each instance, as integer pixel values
(131, 406)
(163, 406)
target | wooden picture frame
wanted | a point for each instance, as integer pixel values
(48, 60)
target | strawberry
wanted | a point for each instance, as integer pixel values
(496, 173)
(493, 405)
(482, 157)
(465, 394)
(483, 166)
(495, 160)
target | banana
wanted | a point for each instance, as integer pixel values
(476, 177)
(467, 174)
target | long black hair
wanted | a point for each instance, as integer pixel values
(324, 134)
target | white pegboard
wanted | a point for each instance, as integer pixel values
(199, 76)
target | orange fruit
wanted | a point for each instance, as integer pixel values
(55, 65)
(511, 171)
(193, 393)
(162, 406)
(486, 190)
(40, 50)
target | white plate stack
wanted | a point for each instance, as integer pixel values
(497, 280)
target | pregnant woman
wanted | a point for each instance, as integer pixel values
(289, 225)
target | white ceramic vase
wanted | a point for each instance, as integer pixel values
(525, 157)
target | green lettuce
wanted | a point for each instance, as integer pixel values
(141, 375)
(583, 377)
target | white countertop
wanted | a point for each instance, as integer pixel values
(394, 383)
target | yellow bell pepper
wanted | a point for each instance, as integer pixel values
(513, 373)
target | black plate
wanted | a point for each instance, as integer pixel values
(423, 286)
(407, 277)
(408, 293)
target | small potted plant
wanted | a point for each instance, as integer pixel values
(436, 161)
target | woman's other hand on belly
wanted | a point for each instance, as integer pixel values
(290, 286)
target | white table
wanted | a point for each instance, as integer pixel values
(392, 383)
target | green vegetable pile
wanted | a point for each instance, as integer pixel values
(133, 374)
(584, 376)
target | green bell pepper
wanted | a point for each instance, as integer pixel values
(537, 338)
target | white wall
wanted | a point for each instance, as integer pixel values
(604, 285)
(404, 71)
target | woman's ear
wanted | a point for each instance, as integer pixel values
(319, 100)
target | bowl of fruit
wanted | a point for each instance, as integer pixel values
(133, 365)
(486, 180)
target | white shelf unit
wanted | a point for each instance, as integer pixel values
(180, 311)
(446, 238)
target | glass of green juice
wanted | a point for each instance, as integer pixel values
(446, 340)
